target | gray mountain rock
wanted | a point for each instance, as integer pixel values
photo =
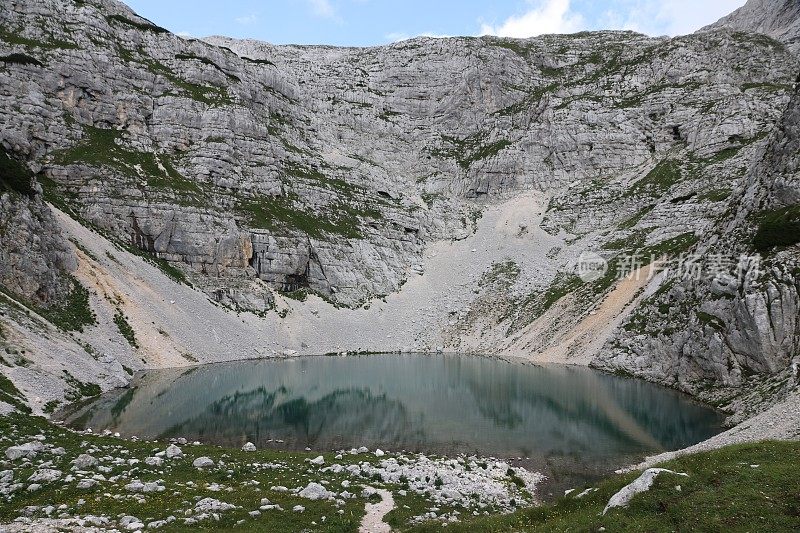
(779, 19)
(740, 331)
(248, 169)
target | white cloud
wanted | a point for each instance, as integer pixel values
(247, 20)
(544, 16)
(324, 9)
(184, 34)
(670, 17)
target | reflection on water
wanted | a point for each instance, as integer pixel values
(442, 404)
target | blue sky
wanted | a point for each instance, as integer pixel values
(374, 22)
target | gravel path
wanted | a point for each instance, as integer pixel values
(373, 520)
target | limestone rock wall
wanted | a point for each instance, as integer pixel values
(35, 258)
(741, 328)
(330, 169)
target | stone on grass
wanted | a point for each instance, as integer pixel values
(84, 461)
(210, 504)
(131, 523)
(45, 475)
(150, 486)
(203, 462)
(29, 450)
(154, 461)
(173, 452)
(86, 483)
(641, 484)
(315, 491)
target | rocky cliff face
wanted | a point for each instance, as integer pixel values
(736, 323)
(36, 258)
(330, 169)
(780, 19)
(251, 171)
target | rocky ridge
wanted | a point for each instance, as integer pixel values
(780, 19)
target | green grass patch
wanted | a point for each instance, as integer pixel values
(14, 38)
(144, 26)
(716, 195)
(504, 273)
(710, 320)
(518, 46)
(670, 247)
(631, 242)
(125, 328)
(300, 295)
(211, 95)
(725, 154)
(659, 180)
(469, 150)
(767, 86)
(777, 228)
(388, 114)
(286, 213)
(78, 389)
(538, 303)
(207, 61)
(315, 176)
(185, 484)
(83, 249)
(533, 97)
(20, 59)
(631, 222)
(73, 314)
(723, 492)
(176, 274)
(11, 395)
(103, 148)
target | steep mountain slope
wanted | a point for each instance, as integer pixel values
(779, 19)
(737, 323)
(430, 193)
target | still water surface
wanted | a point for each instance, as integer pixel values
(565, 420)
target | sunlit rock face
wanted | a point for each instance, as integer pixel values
(779, 19)
(330, 169)
(254, 168)
(739, 331)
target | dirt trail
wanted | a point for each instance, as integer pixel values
(373, 520)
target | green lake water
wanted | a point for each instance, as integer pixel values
(571, 423)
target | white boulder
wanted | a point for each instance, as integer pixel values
(641, 484)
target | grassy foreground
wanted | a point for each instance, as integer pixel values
(747, 487)
(752, 487)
